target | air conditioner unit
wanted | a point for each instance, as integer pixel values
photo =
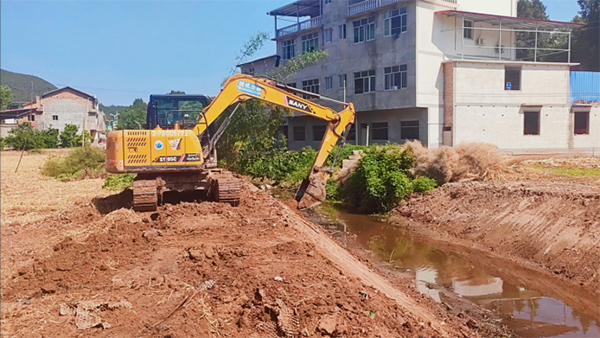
(480, 42)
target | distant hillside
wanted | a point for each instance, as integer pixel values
(20, 85)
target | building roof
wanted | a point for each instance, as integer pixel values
(274, 56)
(510, 21)
(52, 92)
(15, 113)
(299, 8)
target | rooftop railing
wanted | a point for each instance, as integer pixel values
(291, 29)
(368, 5)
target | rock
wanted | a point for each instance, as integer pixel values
(49, 288)
(196, 255)
(327, 325)
(278, 279)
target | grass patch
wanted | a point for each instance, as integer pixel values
(571, 172)
(86, 162)
(119, 182)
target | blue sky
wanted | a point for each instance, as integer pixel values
(121, 50)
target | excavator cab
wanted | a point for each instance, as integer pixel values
(175, 110)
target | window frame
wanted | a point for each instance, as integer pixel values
(54, 117)
(371, 75)
(387, 131)
(342, 31)
(402, 14)
(298, 129)
(539, 122)
(468, 29)
(343, 78)
(318, 132)
(328, 82)
(364, 25)
(508, 69)
(312, 83)
(285, 49)
(410, 129)
(310, 40)
(328, 35)
(586, 131)
(400, 72)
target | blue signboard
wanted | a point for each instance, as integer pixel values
(509, 86)
(249, 88)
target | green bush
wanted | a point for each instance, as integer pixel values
(381, 179)
(344, 154)
(25, 136)
(2, 143)
(49, 138)
(68, 137)
(423, 184)
(81, 163)
(119, 182)
(333, 190)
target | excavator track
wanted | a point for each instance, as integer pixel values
(145, 195)
(225, 188)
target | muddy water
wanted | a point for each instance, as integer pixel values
(532, 305)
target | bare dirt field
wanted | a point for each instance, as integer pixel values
(77, 262)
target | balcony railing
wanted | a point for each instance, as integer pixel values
(368, 5)
(310, 23)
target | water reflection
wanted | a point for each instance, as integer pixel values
(528, 312)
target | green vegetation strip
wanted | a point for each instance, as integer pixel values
(571, 172)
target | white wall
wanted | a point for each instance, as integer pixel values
(496, 7)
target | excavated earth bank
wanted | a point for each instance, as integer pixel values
(200, 270)
(553, 227)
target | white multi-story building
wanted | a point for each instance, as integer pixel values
(440, 71)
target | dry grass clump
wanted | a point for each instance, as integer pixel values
(466, 162)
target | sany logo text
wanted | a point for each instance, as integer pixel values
(293, 103)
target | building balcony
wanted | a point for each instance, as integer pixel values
(300, 26)
(368, 5)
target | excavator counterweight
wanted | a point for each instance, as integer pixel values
(178, 151)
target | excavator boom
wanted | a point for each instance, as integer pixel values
(240, 87)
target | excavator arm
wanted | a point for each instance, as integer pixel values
(239, 88)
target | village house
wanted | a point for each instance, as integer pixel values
(57, 108)
(440, 71)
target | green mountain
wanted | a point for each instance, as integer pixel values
(112, 109)
(20, 85)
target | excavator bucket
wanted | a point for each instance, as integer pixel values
(312, 191)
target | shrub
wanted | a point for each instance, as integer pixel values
(50, 138)
(423, 184)
(24, 136)
(81, 163)
(68, 137)
(381, 179)
(119, 182)
(333, 190)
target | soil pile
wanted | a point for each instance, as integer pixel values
(199, 269)
(553, 224)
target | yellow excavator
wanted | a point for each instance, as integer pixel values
(178, 151)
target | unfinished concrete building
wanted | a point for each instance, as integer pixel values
(439, 71)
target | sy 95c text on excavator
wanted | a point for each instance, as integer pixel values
(178, 153)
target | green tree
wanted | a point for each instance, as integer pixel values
(586, 40)
(24, 136)
(132, 115)
(6, 97)
(530, 9)
(50, 138)
(68, 137)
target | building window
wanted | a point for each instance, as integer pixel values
(328, 82)
(289, 49)
(310, 42)
(318, 132)
(379, 131)
(342, 31)
(395, 22)
(468, 29)
(364, 82)
(582, 122)
(352, 133)
(32, 118)
(293, 84)
(328, 34)
(54, 117)
(249, 71)
(512, 78)
(396, 77)
(364, 30)
(343, 83)
(409, 130)
(532, 123)
(327, 2)
(311, 86)
(299, 133)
